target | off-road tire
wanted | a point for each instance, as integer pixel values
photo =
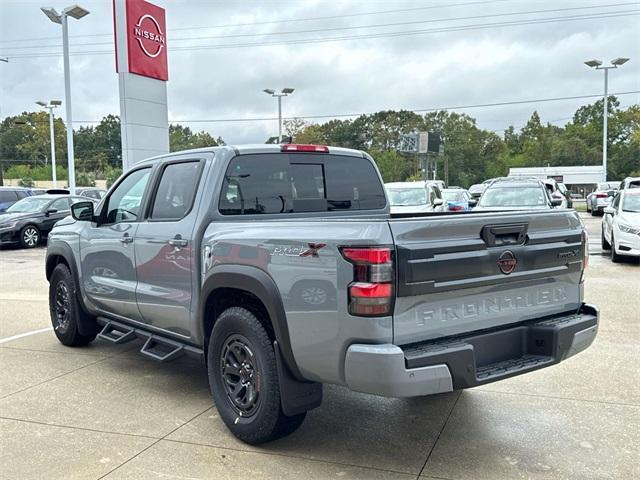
(30, 236)
(266, 421)
(65, 310)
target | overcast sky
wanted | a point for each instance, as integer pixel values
(467, 66)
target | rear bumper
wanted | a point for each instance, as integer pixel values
(468, 361)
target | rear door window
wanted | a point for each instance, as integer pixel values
(176, 191)
(294, 183)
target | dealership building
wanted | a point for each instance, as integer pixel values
(577, 179)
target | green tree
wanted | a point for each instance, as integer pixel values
(182, 138)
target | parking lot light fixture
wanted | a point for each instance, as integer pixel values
(77, 12)
(283, 93)
(50, 106)
(597, 64)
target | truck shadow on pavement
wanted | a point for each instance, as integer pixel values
(349, 427)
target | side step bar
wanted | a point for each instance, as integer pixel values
(158, 347)
(116, 333)
(162, 349)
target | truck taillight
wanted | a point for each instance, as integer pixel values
(371, 292)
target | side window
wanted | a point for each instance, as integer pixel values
(21, 194)
(616, 202)
(123, 205)
(61, 205)
(176, 191)
(8, 196)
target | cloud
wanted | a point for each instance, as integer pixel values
(412, 72)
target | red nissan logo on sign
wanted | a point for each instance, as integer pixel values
(507, 262)
(146, 39)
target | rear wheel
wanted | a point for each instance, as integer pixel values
(66, 313)
(244, 380)
(30, 236)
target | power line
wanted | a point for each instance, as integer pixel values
(381, 25)
(429, 109)
(362, 37)
(270, 22)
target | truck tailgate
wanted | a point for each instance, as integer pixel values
(465, 272)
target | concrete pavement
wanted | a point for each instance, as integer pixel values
(107, 412)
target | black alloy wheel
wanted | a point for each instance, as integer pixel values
(62, 308)
(240, 375)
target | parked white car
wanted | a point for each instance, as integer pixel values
(414, 197)
(621, 225)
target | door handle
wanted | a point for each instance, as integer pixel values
(178, 241)
(126, 238)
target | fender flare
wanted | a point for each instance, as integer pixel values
(260, 284)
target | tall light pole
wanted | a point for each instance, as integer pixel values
(50, 106)
(284, 93)
(76, 12)
(597, 64)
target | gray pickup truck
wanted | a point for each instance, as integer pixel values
(281, 267)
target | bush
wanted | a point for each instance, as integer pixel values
(26, 182)
(84, 179)
(41, 172)
(113, 175)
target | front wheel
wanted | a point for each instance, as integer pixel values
(66, 313)
(30, 236)
(605, 244)
(244, 380)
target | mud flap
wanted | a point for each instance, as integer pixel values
(296, 397)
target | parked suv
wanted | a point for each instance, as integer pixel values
(414, 197)
(10, 195)
(199, 253)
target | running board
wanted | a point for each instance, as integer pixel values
(162, 349)
(156, 345)
(117, 333)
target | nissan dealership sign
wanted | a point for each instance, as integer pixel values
(146, 39)
(141, 63)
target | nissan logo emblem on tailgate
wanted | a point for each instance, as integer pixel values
(507, 262)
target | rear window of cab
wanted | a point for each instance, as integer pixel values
(280, 183)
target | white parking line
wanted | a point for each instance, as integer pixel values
(26, 334)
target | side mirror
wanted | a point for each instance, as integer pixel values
(82, 211)
(437, 202)
(50, 211)
(556, 202)
(609, 211)
(473, 202)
